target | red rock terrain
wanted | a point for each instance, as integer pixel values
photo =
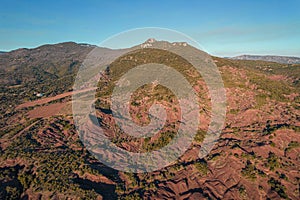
(256, 156)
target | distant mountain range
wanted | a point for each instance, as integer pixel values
(279, 59)
(149, 42)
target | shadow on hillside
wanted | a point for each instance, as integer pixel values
(108, 172)
(105, 190)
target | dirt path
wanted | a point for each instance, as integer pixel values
(46, 111)
(48, 99)
(6, 140)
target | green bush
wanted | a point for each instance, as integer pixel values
(278, 187)
(201, 166)
(272, 161)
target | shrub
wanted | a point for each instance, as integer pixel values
(278, 187)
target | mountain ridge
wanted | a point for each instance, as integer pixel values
(270, 58)
(149, 42)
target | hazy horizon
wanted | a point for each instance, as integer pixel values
(224, 56)
(223, 28)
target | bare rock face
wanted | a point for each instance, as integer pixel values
(42, 157)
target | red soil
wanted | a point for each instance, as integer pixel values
(49, 99)
(46, 111)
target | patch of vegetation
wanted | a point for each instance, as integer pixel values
(52, 168)
(250, 155)
(267, 68)
(272, 161)
(133, 196)
(120, 66)
(163, 140)
(272, 89)
(232, 81)
(133, 180)
(261, 99)
(282, 175)
(271, 128)
(251, 172)
(13, 130)
(242, 191)
(10, 187)
(214, 157)
(292, 145)
(199, 137)
(234, 111)
(278, 187)
(272, 144)
(201, 166)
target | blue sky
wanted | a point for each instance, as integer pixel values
(223, 28)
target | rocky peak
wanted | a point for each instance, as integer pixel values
(151, 40)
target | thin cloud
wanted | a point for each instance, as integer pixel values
(235, 34)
